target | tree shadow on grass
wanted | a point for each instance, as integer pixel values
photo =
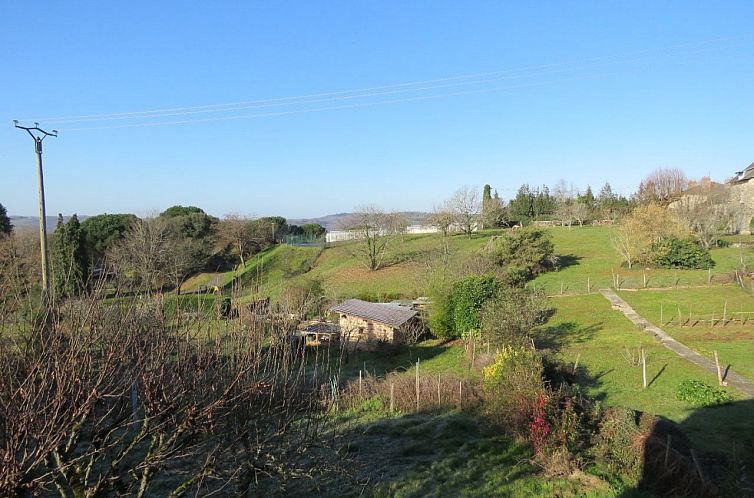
(566, 260)
(562, 335)
(437, 453)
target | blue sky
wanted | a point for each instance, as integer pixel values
(585, 91)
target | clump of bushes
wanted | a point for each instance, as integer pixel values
(681, 253)
(523, 255)
(455, 312)
(697, 393)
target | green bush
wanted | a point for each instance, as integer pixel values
(677, 253)
(524, 254)
(618, 446)
(513, 382)
(697, 393)
(441, 311)
(511, 316)
(468, 297)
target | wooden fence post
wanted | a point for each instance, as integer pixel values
(719, 371)
(417, 384)
(460, 394)
(561, 287)
(576, 363)
(645, 280)
(360, 386)
(725, 312)
(644, 367)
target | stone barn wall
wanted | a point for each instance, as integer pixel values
(364, 334)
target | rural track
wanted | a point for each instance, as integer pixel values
(733, 379)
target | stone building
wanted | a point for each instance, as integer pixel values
(363, 324)
(741, 187)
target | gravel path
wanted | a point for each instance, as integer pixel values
(685, 352)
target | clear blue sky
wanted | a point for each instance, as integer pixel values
(600, 91)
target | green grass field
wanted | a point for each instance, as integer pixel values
(586, 327)
(589, 259)
(734, 340)
(586, 254)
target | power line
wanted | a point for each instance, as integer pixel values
(305, 111)
(466, 79)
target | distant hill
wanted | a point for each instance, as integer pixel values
(23, 223)
(340, 220)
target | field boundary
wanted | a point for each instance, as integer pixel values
(685, 352)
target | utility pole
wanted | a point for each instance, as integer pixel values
(38, 134)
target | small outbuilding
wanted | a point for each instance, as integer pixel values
(364, 324)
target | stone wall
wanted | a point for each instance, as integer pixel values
(364, 334)
(742, 199)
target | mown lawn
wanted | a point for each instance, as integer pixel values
(588, 258)
(606, 344)
(734, 341)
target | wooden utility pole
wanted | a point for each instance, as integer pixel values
(38, 134)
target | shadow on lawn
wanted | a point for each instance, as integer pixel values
(565, 334)
(566, 260)
(683, 468)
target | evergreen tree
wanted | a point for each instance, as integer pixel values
(5, 225)
(69, 262)
(544, 204)
(522, 207)
(606, 194)
(588, 197)
(493, 212)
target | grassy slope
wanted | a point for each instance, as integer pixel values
(586, 326)
(734, 341)
(587, 253)
(447, 454)
(265, 273)
(591, 258)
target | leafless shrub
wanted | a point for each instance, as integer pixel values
(100, 398)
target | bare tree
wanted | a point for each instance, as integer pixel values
(466, 205)
(580, 212)
(374, 234)
(564, 212)
(140, 258)
(663, 185)
(442, 218)
(238, 232)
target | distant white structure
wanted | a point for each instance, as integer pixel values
(345, 235)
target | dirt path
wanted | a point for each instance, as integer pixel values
(733, 379)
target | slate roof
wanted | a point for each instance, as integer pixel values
(387, 313)
(742, 176)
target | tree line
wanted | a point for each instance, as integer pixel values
(155, 252)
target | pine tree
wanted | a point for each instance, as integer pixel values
(588, 197)
(69, 262)
(6, 227)
(522, 207)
